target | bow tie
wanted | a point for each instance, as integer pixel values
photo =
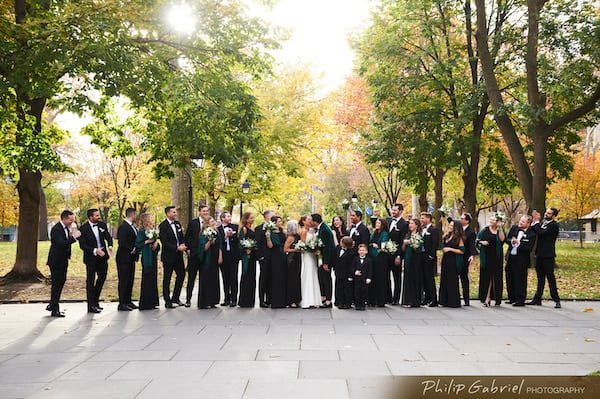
(353, 226)
(94, 225)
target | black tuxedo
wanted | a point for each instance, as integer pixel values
(360, 235)
(343, 271)
(470, 250)
(431, 239)
(397, 232)
(229, 268)
(96, 266)
(517, 264)
(192, 238)
(172, 259)
(126, 257)
(360, 282)
(58, 261)
(263, 254)
(545, 254)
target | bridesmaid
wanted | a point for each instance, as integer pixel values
(248, 256)
(275, 242)
(489, 242)
(338, 226)
(294, 295)
(413, 265)
(149, 248)
(452, 264)
(210, 258)
(381, 286)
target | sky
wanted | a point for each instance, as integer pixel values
(319, 31)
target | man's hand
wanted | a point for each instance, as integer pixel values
(397, 261)
(182, 248)
(111, 252)
(100, 252)
(76, 234)
(325, 267)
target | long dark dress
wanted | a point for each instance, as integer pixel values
(411, 283)
(380, 288)
(452, 264)
(278, 271)
(248, 279)
(149, 289)
(339, 235)
(209, 291)
(490, 263)
(294, 293)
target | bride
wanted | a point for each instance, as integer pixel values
(309, 279)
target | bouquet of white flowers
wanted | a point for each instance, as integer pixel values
(300, 246)
(270, 226)
(345, 204)
(152, 234)
(446, 210)
(416, 240)
(248, 243)
(314, 244)
(389, 247)
(210, 233)
(500, 216)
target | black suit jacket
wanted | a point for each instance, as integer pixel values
(431, 241)
(234, 242)
(546, 239)
(192, 237)
(60, 246)
(524, 248)
(126, 236)
(87, 241)
(398, 232)
(169, 253)
(343, 264)
(262, 251)
(470, 237)
(366, 268)
(361, 235)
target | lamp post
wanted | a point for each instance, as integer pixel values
(245, 190)
(354, 199)
(198, 161)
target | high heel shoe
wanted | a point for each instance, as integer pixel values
(486, 303)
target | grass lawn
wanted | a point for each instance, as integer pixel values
(578, 275)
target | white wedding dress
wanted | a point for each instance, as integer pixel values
(309, 279)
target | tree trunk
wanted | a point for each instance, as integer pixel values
(179, 196)
(540, 165)
(25, 268)
(43, 227)
(438, 187)
(423, 204)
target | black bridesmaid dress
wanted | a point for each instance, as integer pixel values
(449, 295)
(248, 279)
(278, 271)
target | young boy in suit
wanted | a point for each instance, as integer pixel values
(362, 271)
(345, 255)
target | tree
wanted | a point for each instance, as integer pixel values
(558, 50)
(64, 52)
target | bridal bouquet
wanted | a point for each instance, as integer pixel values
(270, 226)
(210, 233)
(500, 216)
(416, 240)
(314, 244)
(300, 246)
(152, 234)
(248, 244)
(389, 247)
(345, 204)
(446, 210)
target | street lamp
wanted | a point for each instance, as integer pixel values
(245, 190)
(198, 161)
(354, 198)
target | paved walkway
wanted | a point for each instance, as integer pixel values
(286, 353)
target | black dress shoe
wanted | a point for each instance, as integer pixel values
(125, 308)
(518, 304)
(57, 314)
(395, 303)
(433, 305)
(534, 302)
(326, 306)
(509, 302)
(178, 303)
(169, 306)
(557, 305)
(132, 305)
(233, 304)
(49, 308)
(93, 309)
(188, 304)
(225, 303)
(263, 305)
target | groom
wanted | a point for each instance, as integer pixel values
(328, 252)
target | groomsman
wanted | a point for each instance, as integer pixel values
(94, 241)
(126, 258)
(520, 240)
(358, 231)
(431, 239)
(58, 258)
(173, 247)
(262, 254)
(328, 253)
(470, 252)
(344, 286)
(545, 254)
(231, 256)
(192, 236)
(397, 230)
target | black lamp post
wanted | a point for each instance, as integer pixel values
(245, 190)
(354, 199)
(198, 161)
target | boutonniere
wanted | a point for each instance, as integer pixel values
(101, 229)
(178, 229)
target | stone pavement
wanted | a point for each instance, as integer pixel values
(284, 353)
